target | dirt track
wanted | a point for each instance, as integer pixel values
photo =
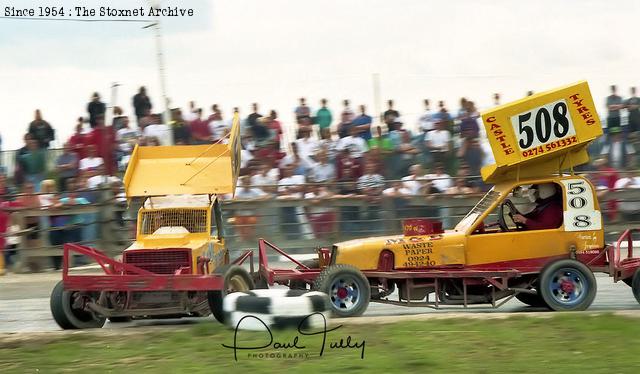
(24, 308)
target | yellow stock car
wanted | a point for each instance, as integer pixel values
(179, 264)
(515, 242)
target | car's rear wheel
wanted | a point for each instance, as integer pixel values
(348, 289)
(67, 308)
(635, 285)
(567, 285)
(236, 279)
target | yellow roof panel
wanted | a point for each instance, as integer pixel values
(184, 169)
(541, 133)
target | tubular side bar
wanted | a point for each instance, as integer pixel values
(126, 277)
(622, 268)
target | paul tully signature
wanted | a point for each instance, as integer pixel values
(296, 342)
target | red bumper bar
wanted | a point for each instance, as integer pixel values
(126, 277)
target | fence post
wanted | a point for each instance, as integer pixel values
(20, 264)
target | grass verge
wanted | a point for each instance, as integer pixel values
(567, 343)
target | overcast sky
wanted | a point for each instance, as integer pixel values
(237, 52)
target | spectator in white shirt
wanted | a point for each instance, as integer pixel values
(356, 145)
(398, 189)
(217, 126)
(438, 142)
(92, 161)
(126, 137)
(414, 181)
(158, 130)
(266, 178)
(426, 119)
(440, 180)
(323, 171)
(307, 147)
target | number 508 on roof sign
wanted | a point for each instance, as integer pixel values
(542, 124)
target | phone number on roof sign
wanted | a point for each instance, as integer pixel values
(557, 144)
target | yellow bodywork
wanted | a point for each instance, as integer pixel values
(180, 185)
(514, 131)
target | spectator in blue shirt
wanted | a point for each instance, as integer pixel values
(363, 124)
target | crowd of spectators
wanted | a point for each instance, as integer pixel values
(333, 154)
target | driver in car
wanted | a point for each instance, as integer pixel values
(548, 211)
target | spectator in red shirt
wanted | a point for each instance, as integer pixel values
(104, 139)
(275, 127)
(200, 132)
(78, 141)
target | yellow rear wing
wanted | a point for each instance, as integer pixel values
(541, 134)
(185, 169)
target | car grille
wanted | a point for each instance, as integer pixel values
(159, 261)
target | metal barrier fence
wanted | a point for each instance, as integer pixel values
(298, 225)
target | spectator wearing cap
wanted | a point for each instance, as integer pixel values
(66, 166)
(95, 108)
(323, 116)
(620, 153)
(363, 123)
(141, 104)
(41, 130)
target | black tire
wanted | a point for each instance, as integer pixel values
(313, 263)
(635, 285)
(567, 285)
(352, 281)
(534, 300)
(61, 302)
(236, 278)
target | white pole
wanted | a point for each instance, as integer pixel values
(376, 99)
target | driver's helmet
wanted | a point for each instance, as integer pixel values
(524, 198)
(545, 191)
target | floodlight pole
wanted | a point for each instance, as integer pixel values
(161, 66)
